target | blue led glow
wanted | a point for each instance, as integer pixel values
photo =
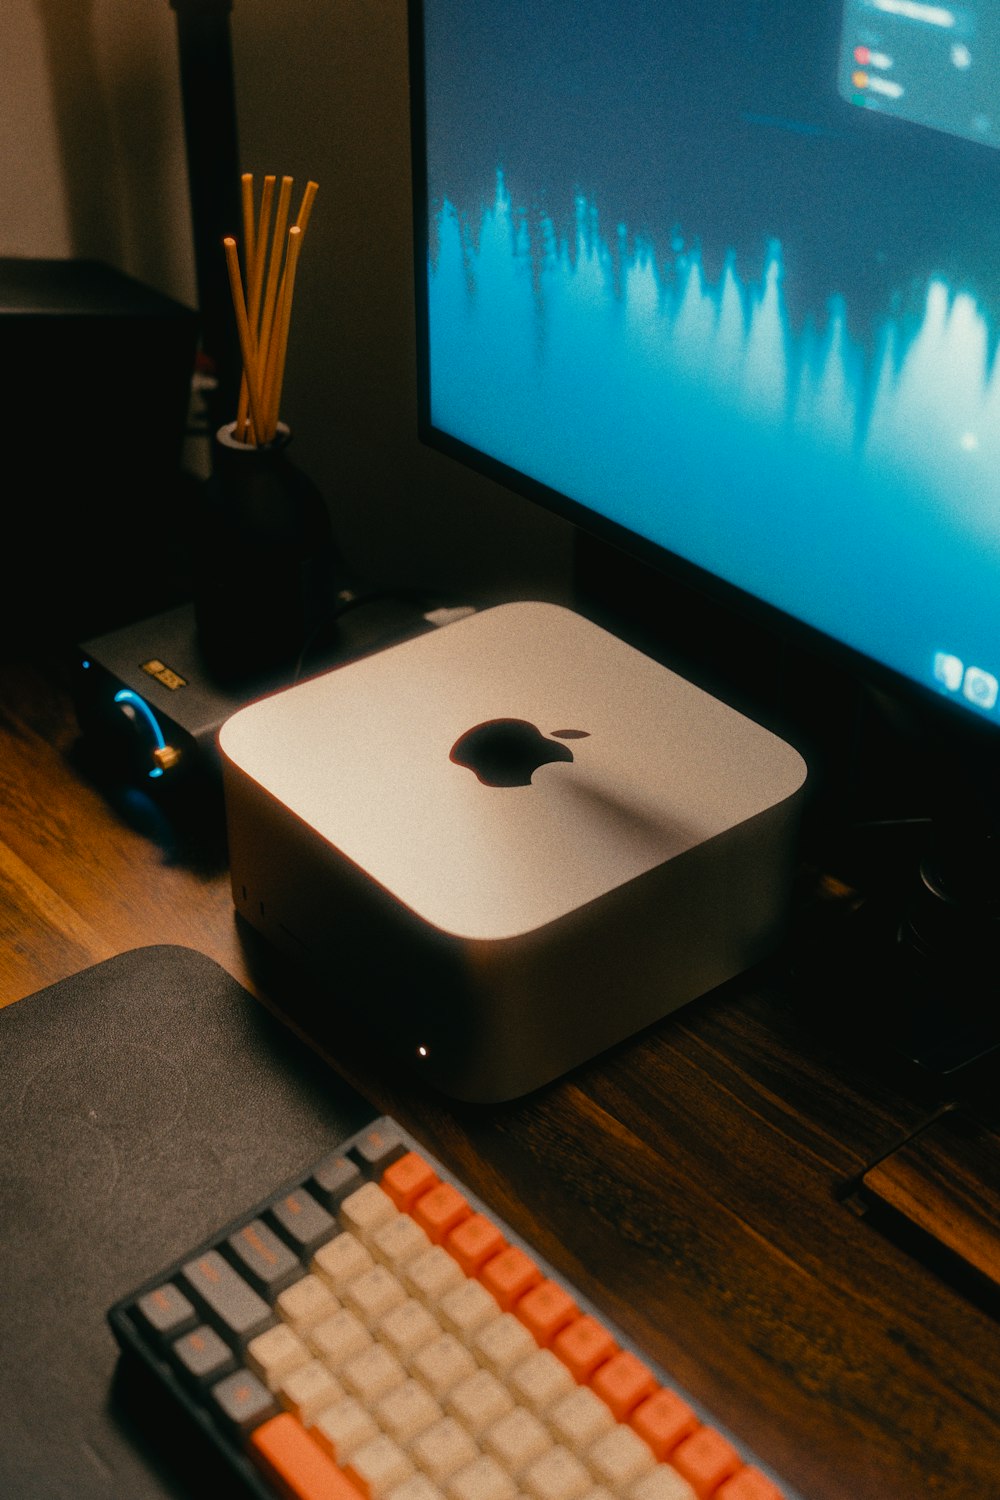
(126, 695)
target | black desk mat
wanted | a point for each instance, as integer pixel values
(144, 1102)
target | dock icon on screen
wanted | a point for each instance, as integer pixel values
(980, 688)
(949, 671)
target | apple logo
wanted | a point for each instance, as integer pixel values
(507, 752)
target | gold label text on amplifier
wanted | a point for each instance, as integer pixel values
(164, 674)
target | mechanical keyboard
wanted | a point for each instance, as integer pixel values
(375, 1332)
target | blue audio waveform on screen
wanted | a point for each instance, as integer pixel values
(692, 412)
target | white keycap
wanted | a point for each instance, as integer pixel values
(502, 1343)
(339, 1338)
(579, 1419)
(479, 1401)
(662, 1483)
(619, 1458)
(432, 1273)
(417, 1487)
(341, 1261)
(442, 1364)
(276, 1353)
(378, 1467)
(467, 1308)
(483, 1479)
(407, 1411)
(443, 1449)
(557, 1475)
(374, 1294)
(540, 1380)
(371, 1373)
(399, 1241)
(305, 1303)
(343, 1427)
(309, 1390)
(407, 1328)
(365, 1210)
(516, 1440)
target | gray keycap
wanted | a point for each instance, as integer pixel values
(166, 1311)
(203, 1354)
(235, 1307)
(334, 1178)
(379, 1145)
(244, 1400)
(303, 1221)
(267, 1263)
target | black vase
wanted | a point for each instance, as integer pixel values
(266, 569)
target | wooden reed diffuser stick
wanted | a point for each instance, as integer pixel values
(255, 241)
(275, 369)
(248, 346)
(273, 274)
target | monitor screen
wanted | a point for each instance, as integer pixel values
(725, 279)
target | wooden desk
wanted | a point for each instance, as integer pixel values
(692, 1183)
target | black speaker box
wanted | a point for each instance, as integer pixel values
(98, 388)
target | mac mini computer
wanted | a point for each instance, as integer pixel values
(510, 843)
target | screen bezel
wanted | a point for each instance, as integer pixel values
(936, 715)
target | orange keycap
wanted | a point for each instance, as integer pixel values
(663, 1420)
(748, 1484)
(705, 1459)
(509, 1275)
(439, 1209)
(545, 1309)
(623, 1381)
(406, 1179)
(583, 1345)
(286, 1453)
(473, 1242)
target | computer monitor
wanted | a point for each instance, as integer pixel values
(721, 283)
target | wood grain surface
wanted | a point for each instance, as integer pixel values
(695, 1182)
(944, 1183)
